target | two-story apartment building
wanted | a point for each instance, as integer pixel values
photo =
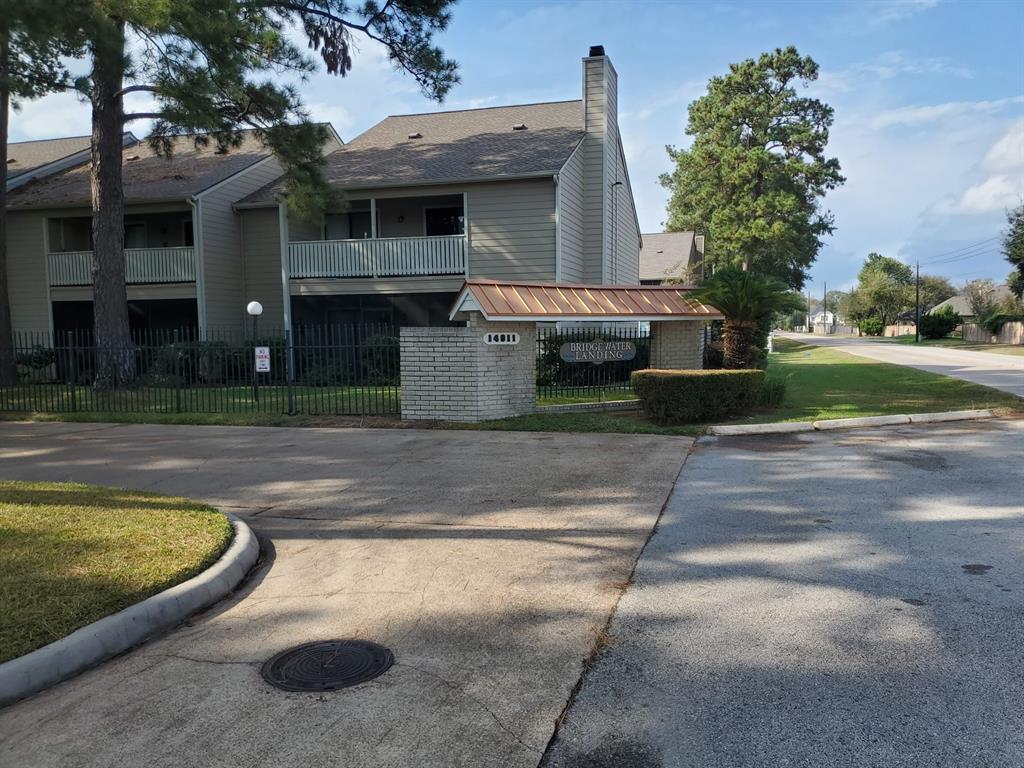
(534, 192)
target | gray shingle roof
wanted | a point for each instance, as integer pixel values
(26, 156)
(465, 145)
(148, 177)
(665, 254)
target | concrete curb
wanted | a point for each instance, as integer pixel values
(861, 421)
(118, 632)
(781, 428)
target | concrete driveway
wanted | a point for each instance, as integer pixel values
(848, 599)
(1003, 372)
(487, 561)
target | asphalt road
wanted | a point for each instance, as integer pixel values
(1004, 372)
(848, 599)
(487, 562)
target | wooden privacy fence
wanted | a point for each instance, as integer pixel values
(1010, 333)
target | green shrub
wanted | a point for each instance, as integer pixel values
(938, 325)
(994, 321)
(774, 393)
(683, 397)
(871, 326)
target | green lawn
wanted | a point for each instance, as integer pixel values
(824, 383)
(71, 554)
(950, 341)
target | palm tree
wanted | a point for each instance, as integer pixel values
(745, 298)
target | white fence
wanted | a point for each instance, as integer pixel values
(378, 257)
(142, 265)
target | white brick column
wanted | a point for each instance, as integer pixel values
(450, 374)
(677, 344)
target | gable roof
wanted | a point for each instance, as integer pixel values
(665, 254)
(27, 156)
(962, 305)
(464, 145)
(512, 301)
(148, 177)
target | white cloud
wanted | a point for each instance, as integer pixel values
(1008, 152)
(922, 115)
(996, 193)
(896, 10)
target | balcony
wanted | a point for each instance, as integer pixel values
(378, 257)
(142, 265)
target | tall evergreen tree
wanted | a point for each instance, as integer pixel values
(31, 48)
(756, 171)
(206, 64)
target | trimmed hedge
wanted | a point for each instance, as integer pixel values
(683, 397)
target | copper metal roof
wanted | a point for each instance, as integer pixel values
(501, 300)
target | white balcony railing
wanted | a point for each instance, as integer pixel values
(378, 257)
(142, 265)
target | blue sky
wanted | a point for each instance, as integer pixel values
(928, 94)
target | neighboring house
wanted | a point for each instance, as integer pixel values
(28, 160)
(182, 248)
(670, 255)
(534, 192)
(823, 318)
(962, 305)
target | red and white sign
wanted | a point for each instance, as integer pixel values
(262, 359)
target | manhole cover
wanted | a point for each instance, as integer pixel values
(327, 665)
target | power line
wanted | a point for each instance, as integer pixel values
(939, 256)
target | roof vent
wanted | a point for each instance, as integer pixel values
(519, 127)
(131, 158)
(415, 135)
(597, 50)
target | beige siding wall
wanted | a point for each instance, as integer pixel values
(570, 220)
(626, 237)
(223, 283)
(261, 262)
(512, 230)
(26, 272)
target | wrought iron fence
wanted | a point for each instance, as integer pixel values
(320, 370)
(590, 363)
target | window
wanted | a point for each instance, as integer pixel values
(135, 234)
(444, 221)
(187, 235)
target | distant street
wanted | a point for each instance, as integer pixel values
(1003, 372)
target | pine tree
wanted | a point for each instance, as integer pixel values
(754, 175)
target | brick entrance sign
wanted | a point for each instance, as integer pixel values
(454, 374)
(487, 370)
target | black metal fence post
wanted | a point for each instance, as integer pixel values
(177, 373)
(72, 373)
(290, 370)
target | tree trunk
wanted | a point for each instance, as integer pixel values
(8, 372)
(114, 353)
(737, 343)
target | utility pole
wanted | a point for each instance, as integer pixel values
(917, 305)
(824, 306)
(809, 328)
